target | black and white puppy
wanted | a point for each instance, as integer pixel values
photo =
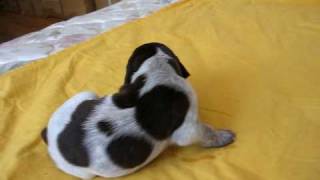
(118, 134)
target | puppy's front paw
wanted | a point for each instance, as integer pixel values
(219, 138)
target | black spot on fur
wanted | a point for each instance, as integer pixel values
(148, 50)
(105, 127)
(129, 151)
(161, 111)
(128, 93)
(70, 140)
(44, 135)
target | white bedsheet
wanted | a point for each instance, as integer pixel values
(58, 36)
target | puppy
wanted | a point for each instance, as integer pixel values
(118, 134)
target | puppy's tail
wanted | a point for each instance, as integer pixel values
(44, 135)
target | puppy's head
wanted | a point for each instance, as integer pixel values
(144, 52)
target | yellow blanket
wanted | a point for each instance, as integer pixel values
(255, 65)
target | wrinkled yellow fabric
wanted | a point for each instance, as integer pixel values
(255, 65)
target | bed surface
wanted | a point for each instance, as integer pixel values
(61, 35)
(254, 65)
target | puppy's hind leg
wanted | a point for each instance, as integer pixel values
(210, 137)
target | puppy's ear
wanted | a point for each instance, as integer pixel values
(184, 71)
(129, 93)
(44, 135)
(128, 75)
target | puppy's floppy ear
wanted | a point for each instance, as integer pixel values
(129, 73)
(184, 71)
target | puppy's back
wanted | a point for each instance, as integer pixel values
(65, 134)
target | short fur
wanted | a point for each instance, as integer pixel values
(118, 134)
